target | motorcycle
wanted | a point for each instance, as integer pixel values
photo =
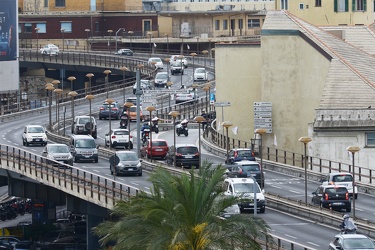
(123, 121)
(182, 128)
(349, 227)
(145, 133)
(154, 125)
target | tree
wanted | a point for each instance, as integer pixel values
(182, 213)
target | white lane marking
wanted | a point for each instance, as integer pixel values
(296, 192)
(134, 183)
(96, 171)
(290, 236)
(147, 188)
(313, 244)
(275, 186)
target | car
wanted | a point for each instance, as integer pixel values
(239, 154)
(125, 162)
(119, 138)
(247, 169)
(81, 125)
(59, 153)
(23, 245)
(158, 62)
(351, 242)
(176, 67)
(83, 148)
(161, 79)
(114, 110)
(189, 96)
(332, 197)
(125, 52)
(159, 149)
(132, 113)
(244, 189)
(145, 85)
(133, 99)
(187, 155)
(9, 241)
(200, 74)
(341, 179)
(34, 134)
(49, 49)
(175, 58)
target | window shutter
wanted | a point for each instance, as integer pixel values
(364, 5)
(353, 5)
(335, 6)
(347, 5)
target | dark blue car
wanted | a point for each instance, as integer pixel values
(240, 154)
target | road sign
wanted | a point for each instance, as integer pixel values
(222, 104)
(268, 130)
(212, 98)
(165, 91)
(263, 125)
(262, 120)
(262, 114)
(263, 104)
(263, 108)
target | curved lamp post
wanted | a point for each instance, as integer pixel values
(226, 125)
(205, 53)
(90, 75)
(150, 109)
(206, 89)
(174, 115)
(50, 88)
(193, 55)
(261, 132)
(169, 84)
(72, 94)
(182, 84)
(130, 32)
(197, 37)
(109, 101)
(90, 98)
(167, 60)
(58, 93)
(208, 85)
(87, 39)
(109, 41)
(128, 105)
(63, 38)
(195, 86)
(353, 150)
(37, 38)
(71, 79)
(166, 35)
(124, 69)
(56, 84)
(199, 119)
(305, 141)
(149, 33)
(106, 72)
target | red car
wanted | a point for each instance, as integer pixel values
(159, 149)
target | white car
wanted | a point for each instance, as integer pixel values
(200, 74)
(158, 62)
(119, 138)
(190, 95)
(145, 84)
(34, 134)
(50, 49)
(341, 179)
(178, 58)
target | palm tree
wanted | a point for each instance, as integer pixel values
(182, 213)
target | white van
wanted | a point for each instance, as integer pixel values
(341, 179)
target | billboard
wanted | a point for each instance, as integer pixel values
(9, 64)
(8, 30)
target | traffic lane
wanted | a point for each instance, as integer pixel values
(300, 230)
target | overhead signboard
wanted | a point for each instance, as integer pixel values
(165, 91)
(222, 104)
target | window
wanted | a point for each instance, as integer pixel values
(284, 4)
(341, 5)
(370, 139)
(301, 6)
(45, 3)
(19, 28)
(28, 28)
(66, 26)
(318, 3)
(217, 24)
(59, 3)
(240, 24)
(253, 23)
(42, 27)
(225, 24)
(359, 5)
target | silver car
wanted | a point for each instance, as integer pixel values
(59, 153)
(125, 162)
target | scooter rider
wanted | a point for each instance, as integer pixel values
(145, 130)
(204, 115)
(124, 120)
(347, 226)
(154, 124)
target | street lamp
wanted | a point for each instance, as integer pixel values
(205, 52)
(37, 38)
(149, 33)
(123, 29)
(90, 98)
(87, 39)
(56, 85)
(72, 94)
(106, 72)
(109, 101)
(130, 32)
(90, 75)
(50, 88)
(109, 41)
(197, 37)
(167, 60)
(150, 109)
(353, 150)
(63, 38)
(226, 125)
(166, 35)
(305, 140)
(58, 93)
(169, 84)
(128, 105)
(199, 119)
(123, 69)
(261, 132)
(195, 86)
(208, 85)
(206, 89)
(182, 65)
(193, 55)
(174, 115)
(71, 79)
